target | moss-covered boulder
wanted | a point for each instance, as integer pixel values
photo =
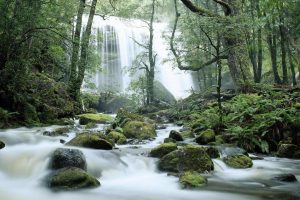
(71, 178)
(189, 158)
(163, 149)
(139, 130)
(168, 140)
(90, 125)
(191, 179)
(2, 144)
(206, 137)
(175, 135)
(62, 158)
(99, 118)
(187, 134)
(117, 137)
(91, 140)
(58, 132)
(213, 152)
(238, 161)
(288, 151)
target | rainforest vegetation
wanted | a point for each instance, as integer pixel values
(63, 61)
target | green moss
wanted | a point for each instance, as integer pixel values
(90, 140)
(117, 137)
(206, 137)
(169, 140)
(139, 130)
(71, 179)
(288, 151)
(90, 125)
(238, 161)
(192, 179)
(187, 134)
(94, 118)
(163, 149)
(189, 158)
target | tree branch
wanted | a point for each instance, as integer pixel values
(199, 10)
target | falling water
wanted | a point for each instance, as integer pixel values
(121, 41)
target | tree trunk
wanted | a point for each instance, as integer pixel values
(283, 51)
(292, 66)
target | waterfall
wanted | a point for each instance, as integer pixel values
(119, 42)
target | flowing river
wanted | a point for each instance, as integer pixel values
(127, 173)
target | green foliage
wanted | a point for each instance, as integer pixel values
(192, 179)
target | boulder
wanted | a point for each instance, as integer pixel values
(213, 152)
(57, 132)
(71, 178)
(285, 178)
(62, 158)
(192, 179)
(2, 144)
(288, 151)
(206, 137)
(163, 149)
(168, 140)
(139, 130)
(238, 161)
(175, 135)
(117, 137)
(91, 140)
(189, 158)
(99, 118)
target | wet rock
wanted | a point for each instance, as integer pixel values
(160, 127)
(179, 123)
(206, 137)
(238, 161)
(189, 158)
(213, 152)
(71, 178)
(187, 134)
(139, 130)
(286, 178)
(163, 149)
(168, 140)
(62, 141)
(62, 158)
(99, 118)
(175, 135)
(191, 179)
(57, 132)
(117, 137)
(89, 140)
(288, 151)
(2, 144)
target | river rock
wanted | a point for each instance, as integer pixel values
(168, 140)
(189, 158)
(99, 118)
(2, 144)
(163, 149)
(175, 135)
(57, 132)
(71, 178)
(213, 152)
(91, 140)
(117, 137)
(62, 158)
(238, 161)
(288, 151)
(286, 178)
(139, 130)
(191, 179)
(206, 137)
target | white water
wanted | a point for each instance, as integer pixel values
(120, 47)
(124, 174)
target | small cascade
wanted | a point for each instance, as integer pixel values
(119, 42)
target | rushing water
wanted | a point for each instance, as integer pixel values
(128, 174)
(119, 43)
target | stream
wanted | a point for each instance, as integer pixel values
(126, 173)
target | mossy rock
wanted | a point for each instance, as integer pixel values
(90, 125)
(206, 137)
(168, 140)
(91, 140)
(213, 152)
(57, 132)
(238, 161)
(117, 137)
(191, 179)
(163, 149)
(2, 144)
(99, 118)
(288, 151)
(62, 158)
(175, 135)
(187, 134)
(139, 130)
(189, 158)
(71, 178)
